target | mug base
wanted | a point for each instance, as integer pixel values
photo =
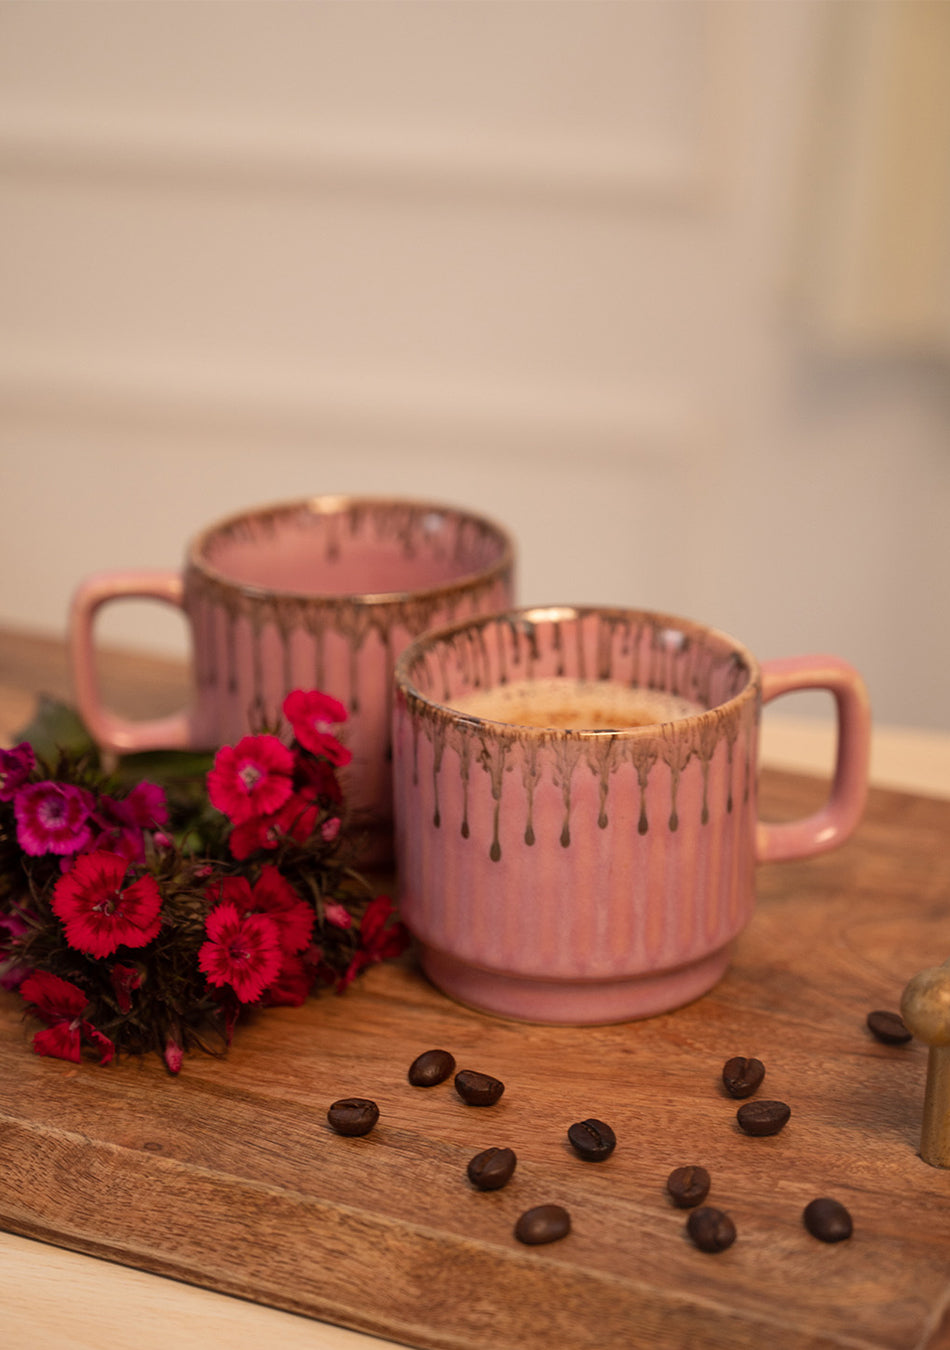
(573, 1002)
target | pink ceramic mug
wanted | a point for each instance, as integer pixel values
(564, 875)
(321, 593)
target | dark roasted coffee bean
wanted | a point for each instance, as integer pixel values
(492, 1168)
(545, 1223)
(688, 1186)
(763, 1117)
(478, 1089)
(353, 1115)
(741, 1076)
(592, 1140)
(430, 1068)
(889, 1027)
(827, 1220)
(711, 1229)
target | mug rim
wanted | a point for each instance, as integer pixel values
(329, 504)
(549, 613)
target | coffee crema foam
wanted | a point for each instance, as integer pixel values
(576, 705)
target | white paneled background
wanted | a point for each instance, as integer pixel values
(555, 261)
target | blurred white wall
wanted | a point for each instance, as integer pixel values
(562, 262)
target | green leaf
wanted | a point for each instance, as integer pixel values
(56, 727)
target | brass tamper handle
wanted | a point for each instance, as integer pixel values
(925, 1008)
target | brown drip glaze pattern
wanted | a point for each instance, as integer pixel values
(320, 593)
(569, 875)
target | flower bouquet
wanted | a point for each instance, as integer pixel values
(137, 916)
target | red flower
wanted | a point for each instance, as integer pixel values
(274, 896)
(99, 912)
(124, 980)
(252, 778)
(317, 778)
(292, 985)
(60, 1004)
(378, 941)
(295, 820)
(312, 715)
(243, 950)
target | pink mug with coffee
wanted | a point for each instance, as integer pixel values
(321, 593)
(576, 797)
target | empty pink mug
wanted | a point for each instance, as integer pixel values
(320, 593)
(576, 805)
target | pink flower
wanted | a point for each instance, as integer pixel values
(243, 951)
(99, 911)
(60, 1005)
(312, 715)
(252, 778)
(337, 915)
(52, 818)
(378, 940)
(173, 1055)
(16, 765)
(330, 829)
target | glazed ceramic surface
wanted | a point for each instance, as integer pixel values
(322, 593)
(585, 876)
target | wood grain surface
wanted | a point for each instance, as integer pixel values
(229, 1176)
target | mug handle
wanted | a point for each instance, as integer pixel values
(108, 729)
(831, 825)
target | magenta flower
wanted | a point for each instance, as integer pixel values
(16, 765)
(312, 716)
(52, 818)
(100, 910)
(252, 778)
(60, 1005)
(243, 951)
(122, 824)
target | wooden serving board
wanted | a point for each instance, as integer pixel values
(229, 1176)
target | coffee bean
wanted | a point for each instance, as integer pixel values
(888, 1027)
(430, 1068)
(592, 1140)
(544, 1223)
(492, 1168)
(827, 1220)
(763, 1117)
(353, 1115)
(741, 1076)
(478, 1089)
(688, 1186)
(711, 1229)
